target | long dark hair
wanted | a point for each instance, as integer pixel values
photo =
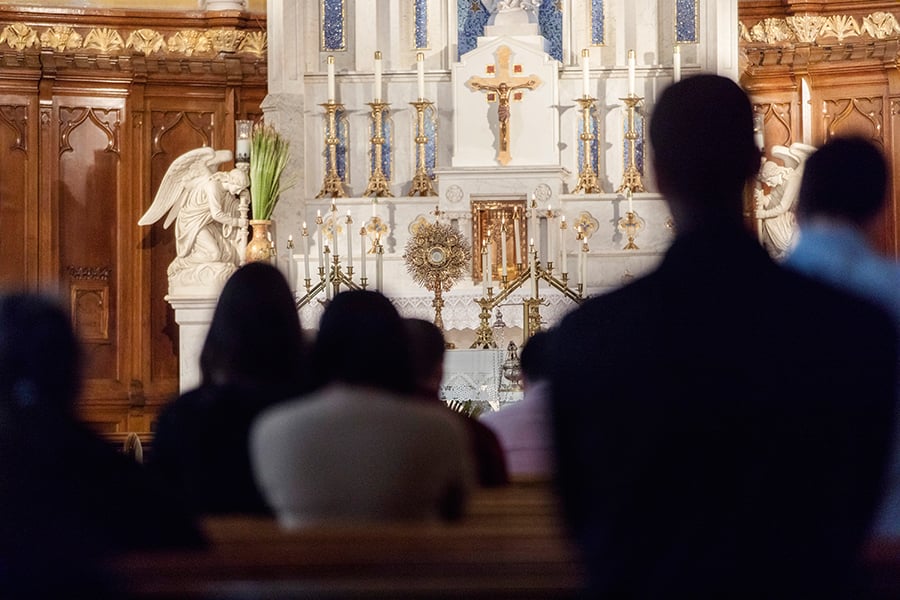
(255, 336)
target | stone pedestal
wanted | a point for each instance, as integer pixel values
(193, 315)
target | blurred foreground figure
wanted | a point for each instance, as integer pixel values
(710, 446)
(66, 497)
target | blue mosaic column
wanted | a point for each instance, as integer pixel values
(686, 21)
(598, 23)
(334, 25)
(421, 24)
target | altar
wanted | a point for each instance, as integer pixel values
(522, 129)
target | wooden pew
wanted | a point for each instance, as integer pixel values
(511, 546)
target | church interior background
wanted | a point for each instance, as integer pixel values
(519, 125)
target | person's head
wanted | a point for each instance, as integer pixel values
(533, 360)
(427, 343)
(255, 336)
(701, 134)
(846, 179)
(362, 341)
(40, 358)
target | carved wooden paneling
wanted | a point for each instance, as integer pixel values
(854, 116)
(17, 206)
(777, 122)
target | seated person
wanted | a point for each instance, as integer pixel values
(252, 358)
(67, 498)
(357, 448)
(428, 346)
(524, 427)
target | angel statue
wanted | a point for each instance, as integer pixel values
(203, 202)
(776, 196)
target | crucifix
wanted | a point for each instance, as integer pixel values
(498, 90)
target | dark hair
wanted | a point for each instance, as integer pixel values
(534, 361)
(255, 335)
(701, 132)
(40, 359)
(362, 341)
(846, 179)
(427, 345)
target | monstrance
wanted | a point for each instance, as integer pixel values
(435, 256)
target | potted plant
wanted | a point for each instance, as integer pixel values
(268, 158)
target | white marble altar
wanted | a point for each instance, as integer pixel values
(543, 127)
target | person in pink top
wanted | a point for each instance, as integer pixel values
(523, 428)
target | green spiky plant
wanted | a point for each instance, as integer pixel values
(268, 159)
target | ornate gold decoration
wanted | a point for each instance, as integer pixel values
(145, 41)
(189, 41)
(89, 273)
(813, 29)
(435, 257)
(422, 184)
(255, 42)
(378, 185)
(840, 26)
(61, 38)
(19, 36)
(632, 176)
(586, 224)
(419, 222)
(225, 40)
(104, 40)
(631, 224)
(880, 25)
(332, 184)
(806, 27)
(587, 176)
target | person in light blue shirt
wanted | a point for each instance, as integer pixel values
(841, 196)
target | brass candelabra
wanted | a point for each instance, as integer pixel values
(484, 333)
(632, 176)
(332, 185)
(378, 184)
(587, 176)
(422, 184)
(330, 282)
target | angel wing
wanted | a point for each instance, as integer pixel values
(176, 183)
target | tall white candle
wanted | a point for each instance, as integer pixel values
(551, 239)
(331, 87)
(349, 240)
(420, 73)
(379, 267)
(805, 114)
(584, 251)
(327, 273)
(676, 64)
(484, 269)
(319, 244)
(374, 209)
(533, 269)
(631, 65)
(305, 236)
(580, 261)
(490, 258)
(533, 232)
(503, 271)
(517, 237)
(630, 196)
(563, 257)
(362, 253)
(376, 92)
(586, 72)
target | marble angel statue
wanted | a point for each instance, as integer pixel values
(203, 202)
(504, 6)
(776, 196)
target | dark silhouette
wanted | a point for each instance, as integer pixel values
(253, 357)
(524, 427)
(357, 448)
(722, 424)
(428, 346)
(67, 498)
(841, 196)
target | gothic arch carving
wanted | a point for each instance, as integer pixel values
(16, 118)
(165, 121)
(107, 120)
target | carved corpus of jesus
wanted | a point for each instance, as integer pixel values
(499, 89)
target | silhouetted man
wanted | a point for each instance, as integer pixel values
(722, 424)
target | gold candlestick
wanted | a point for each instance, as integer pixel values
(422, 184)
(332, 185)
(632, 177)
(378, 184)
(587, 177)
(631, 224)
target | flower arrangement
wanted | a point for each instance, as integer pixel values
(268, 158)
